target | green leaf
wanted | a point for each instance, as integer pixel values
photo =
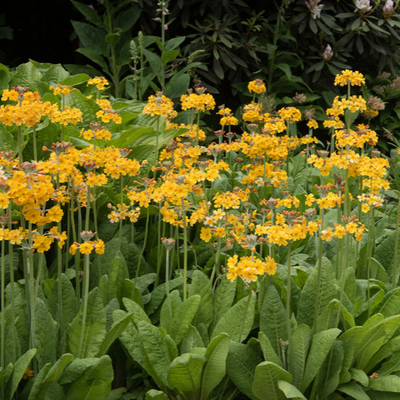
(138, 312)
(322, 343)
(95, 327)
(55, 74)
(191, 340)
(223, 298)
(214, 369)
(170, 308)
(169, 56)
(156, 351)
(24, 75)
(354, 390)
(88, 378)
(301, 340)
(88, 107)
(238, 321)
(114, 333)
(182, 320)
(327, 289)
(390, 305)
(95, 57)
(130, 339)
(267, 376)
(273, 318)
(174, 43)
(91, 37)
(286, 69)
(45, 334)
(291, 392)
(127, 18)
(185, 373)
(155, 63)
(267, 349)
(4, 79)
(359, 376)
(389, 383)
(7, 141)
(39, 389)
(179, 87)
(241, 364)
(156, 395)
(201, 285)
(117, 273)
(18, 372)
(89, 13)
(392, 346)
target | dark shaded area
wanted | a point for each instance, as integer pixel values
(42, 32)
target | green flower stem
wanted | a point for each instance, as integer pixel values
(396, 268)
(122, 205)
(245, 312)
(3, 307)
(317, 300)
(74, 236)
(20, 146)
(167, 283)
(143, 248)
(35, 154)
(288, 292)
(216, 262)
(371, 244)
(159, 246)
(343, 276)
(87, 220)
(185, 240)
(85, 304)
(12, 279)
(198, 127)
(157, 135)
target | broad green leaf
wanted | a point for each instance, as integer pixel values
(39, 389)
(223, 297)
(68, 297)
(291, 392)
(359, 376)
(171, 347)
(169, 56)
(156, 350)
(354, 390)
(114, 333)
(348, 354)
(267, 376)
(373, 339)
(155, 63)
(96, 57)
(214, 369)
(88, 107)
(191, 340)
(24, 75)
(18, 372)
(4, 79)
(39, 378)
(156, 395)
(127, 18)
(89, 13)
(301, 340)
(273, 318)
(118, 272)
(7, 141)
(45, 334)
(158, 294)
(390, 305)
(327, 289)
(171, 307)
(182, 320)
(88, 378)
(201, 285)
(321, 344)
(138, 312)
(334, 363)
(388, 383)
(55, 74)
(241, 364)
(392, 346)
(91, 37)
(185, 373)
(267, 349)
(238, 321)
(131, 340)
(95, 328)
(174, 43)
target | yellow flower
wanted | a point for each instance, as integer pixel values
(205, 234)
(257, 86)
(354, 78)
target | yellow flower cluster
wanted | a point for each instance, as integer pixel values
(158, 105)
(354, 78)
(257, 86)
(198, 102)
(249, 269)
(99, 81)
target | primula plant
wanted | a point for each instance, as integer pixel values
(147, 255)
